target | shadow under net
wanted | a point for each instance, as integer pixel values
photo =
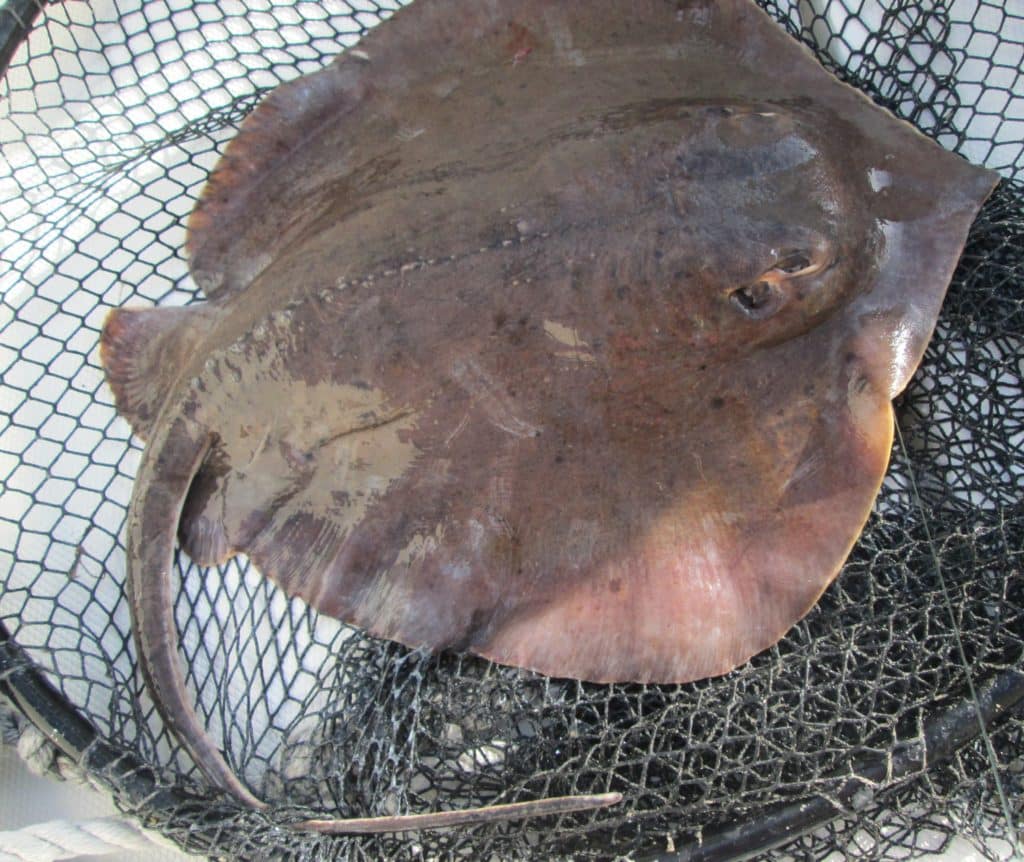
(867, 709)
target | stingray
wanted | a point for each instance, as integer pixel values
(561, 333)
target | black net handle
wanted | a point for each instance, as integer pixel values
(944, 732)
(16, 19)
(24, 685)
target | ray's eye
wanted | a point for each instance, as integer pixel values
(793, 262)
(757, 300)
(767, 295)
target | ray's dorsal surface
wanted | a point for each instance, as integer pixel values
(563, 333)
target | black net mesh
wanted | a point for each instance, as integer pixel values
(111, 115)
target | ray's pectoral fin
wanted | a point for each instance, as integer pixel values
(143, 351)
(292, 505)
(293, 534)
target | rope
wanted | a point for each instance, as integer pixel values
(35, 751)
(61, 839)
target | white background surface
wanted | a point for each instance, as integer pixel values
(26, 799)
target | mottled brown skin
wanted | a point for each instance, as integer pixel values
(562, 333)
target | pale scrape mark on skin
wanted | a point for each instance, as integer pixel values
(565, 52)
(420, 546)
(445, 87)
(406, 134)
(260, 446)
(373, 459)
(386, 602)
(879, 179)
(477, 535)
(807, 468)
(498, 407)
(458, 430)
(578, 349)
(336, 436)
(456, 571)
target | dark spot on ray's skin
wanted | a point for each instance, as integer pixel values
(562, 447)
(496, 235)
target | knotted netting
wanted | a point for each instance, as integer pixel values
(887, 721)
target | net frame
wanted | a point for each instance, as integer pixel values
(951, 505)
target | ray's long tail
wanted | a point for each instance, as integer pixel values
(169, 464)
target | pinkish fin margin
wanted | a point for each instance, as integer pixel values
(142, 351)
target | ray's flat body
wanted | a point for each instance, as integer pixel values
(562, 333)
